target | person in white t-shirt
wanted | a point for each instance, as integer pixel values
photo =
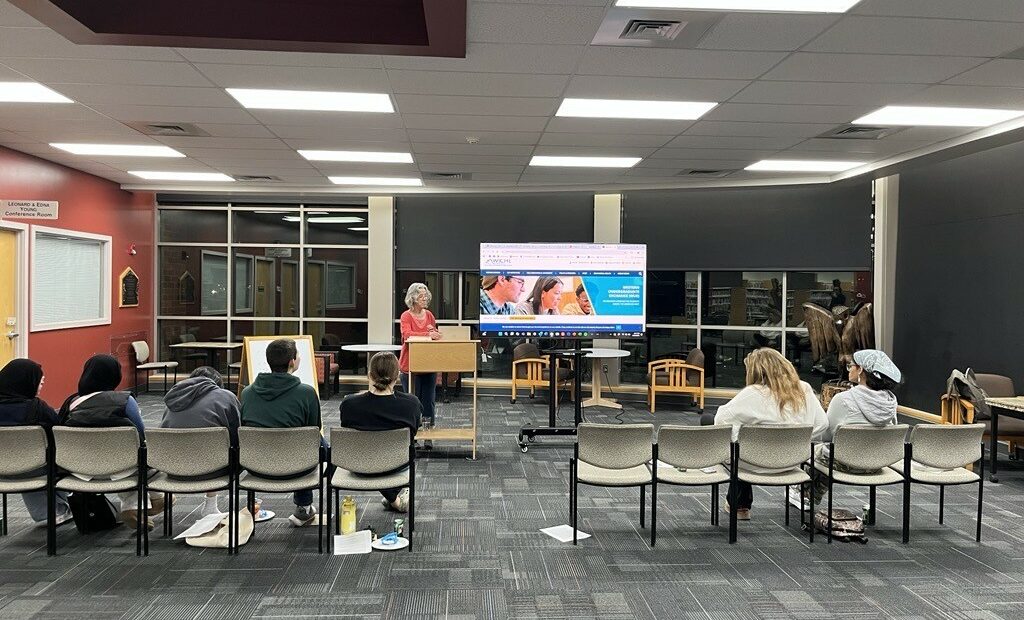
(774, 395)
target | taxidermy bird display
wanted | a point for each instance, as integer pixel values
(835, 335)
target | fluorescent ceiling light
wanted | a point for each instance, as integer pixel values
(29, 92)
(267, 99)
(406, 181)
(364, 156)
(937, 117)
(181, 176)
(336, 219)
(360, 229)
(764, 6)
(799, 165)
(585, 162)
(117, 150)
(628, 108)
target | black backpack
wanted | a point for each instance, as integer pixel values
(93, 512)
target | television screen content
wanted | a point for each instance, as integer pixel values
(563, 290)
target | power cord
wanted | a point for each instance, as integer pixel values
(608, 382)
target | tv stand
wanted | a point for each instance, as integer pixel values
(528, 433)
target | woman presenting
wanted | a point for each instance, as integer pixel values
(418, 321)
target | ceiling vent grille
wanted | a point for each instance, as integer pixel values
(652, 29)
(169, 129)
(859, 132)
(705, 173)
(256, 178)
(633, 27)
(447, 176)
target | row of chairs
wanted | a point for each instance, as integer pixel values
(187, 461)
(614, 455)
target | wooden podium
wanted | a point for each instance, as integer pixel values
(445, 356)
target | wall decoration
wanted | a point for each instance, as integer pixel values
(129, 289)
(186, 288)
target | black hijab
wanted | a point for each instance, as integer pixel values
(19, 381)
(102, 373)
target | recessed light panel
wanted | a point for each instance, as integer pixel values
(363, 156)
(266, 99)
(937, 117)
(628, 108)
(403, 181)
(29, 92)
(117, 150)
(801, 165)
(181, 176)
(764, 6)
(584, 162)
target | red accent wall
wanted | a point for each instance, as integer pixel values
(87, 204)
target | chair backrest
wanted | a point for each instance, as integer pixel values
(947, 446)
(188, 337)
(868, 447)
(278, 451)
(996, 386)
(23, 449)
(615, 446)
(188, 452)
(695, 358)
(98, 452)
(524, 350)
(454, 332)
(141, 351)
(775, 446)
(694, 447)
(370, 452)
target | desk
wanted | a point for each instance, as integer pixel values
(1013, 407)
(596, 355)
(368, 349)
(210, 348)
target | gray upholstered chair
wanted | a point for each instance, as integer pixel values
(190, 460)
(611, 455)
(279, 460)
(141, 350)
(938, 455)
(25, 452)
(781, 449)
(696, 455)
(871, 450)
(98, 454)
(372, 461)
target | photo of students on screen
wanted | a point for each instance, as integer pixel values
(545, 297)
(500, 294)
(582, 305)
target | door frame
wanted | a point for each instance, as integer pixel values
(21, 287)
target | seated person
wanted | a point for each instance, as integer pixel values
(20, 405)
(381, 408)
(202, 402)
(277, 399)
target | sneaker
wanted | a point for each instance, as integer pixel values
(401, 503)
(794, 499)
(156, 503)
(210, 508)
(742, 514)
(303, 515)
(385, 503)
(131, 519)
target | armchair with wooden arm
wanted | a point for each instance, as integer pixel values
(676, 376)
(531, 369)
(328, 371)
(955, 410)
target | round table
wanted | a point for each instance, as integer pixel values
(596, 355)
(368, 349)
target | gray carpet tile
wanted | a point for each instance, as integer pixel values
(479, 553)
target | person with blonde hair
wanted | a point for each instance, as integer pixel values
(774, 395)
(381, 408)
(418, 321)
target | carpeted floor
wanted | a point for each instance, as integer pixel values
(479, 553)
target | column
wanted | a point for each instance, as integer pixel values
(887, 202)
(381, 270)
(608, 229)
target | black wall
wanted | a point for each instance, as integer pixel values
(960, 272)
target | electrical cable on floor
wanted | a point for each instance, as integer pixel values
(608, 382)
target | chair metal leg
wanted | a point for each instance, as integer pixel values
(830, 489)
(250, 502)
(785, 500)
(51, 515)
(981, 491)
(574, 501)
(412, 499)
(942, 500)
(320, 520)
(3, 529)
(643, 505)
(337, 512)
(871, 506)
(714, 504)
(654, 511)
(141, 518)
(906, 511)
(810, 517)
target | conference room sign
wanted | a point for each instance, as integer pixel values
(29, 209)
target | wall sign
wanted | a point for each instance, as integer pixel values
(129, 289)
(30, 209)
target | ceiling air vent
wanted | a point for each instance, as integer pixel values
(447, 176)
(256, 178)
(632, 27)
(705, 173)
(859, 132)
(652, 29)
(169, 129)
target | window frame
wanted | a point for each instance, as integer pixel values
(106, 278)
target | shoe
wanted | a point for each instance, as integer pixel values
(385, 503)
(742, 514)
(303, 515)
(794, 499)
(131, 519)
(157, 504)
(61, 519)
(210, 508)
(401, 503)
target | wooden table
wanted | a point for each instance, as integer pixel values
(210, 348)
(1012, 406)
(596, 355)
(368, 349)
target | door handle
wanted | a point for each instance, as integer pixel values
(11, 335)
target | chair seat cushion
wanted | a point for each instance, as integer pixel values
(692, 380)
(168, 484)
(20, 485)
(345, 479)
(72, 483)
(629, 477)
(790, 476)
(150, 365)
(881, 477)
(694, 477)
(252, 482)
(932, 475)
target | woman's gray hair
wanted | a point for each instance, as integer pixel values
(414, 291)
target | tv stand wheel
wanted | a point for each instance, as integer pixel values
(531, 439)
(512, 401)
(524, 448)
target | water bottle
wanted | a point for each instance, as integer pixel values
(348, 515)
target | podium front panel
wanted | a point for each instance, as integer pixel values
(442, 356)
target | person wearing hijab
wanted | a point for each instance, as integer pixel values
(98, 403)
(20, 405)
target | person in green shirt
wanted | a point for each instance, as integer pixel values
(277, 399)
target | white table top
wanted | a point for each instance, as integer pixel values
(371, 348)
(206, 345)
(603, 353)
(1014, 403)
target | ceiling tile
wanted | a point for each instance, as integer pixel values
(726, 154)
(532, 23)
(661, 165)
(491, 169)
(787, 113)
(88, 71)
(471, 123)
(225, 130)
(10, 137)
(326, 121)
(40, 113)
(480, 84)
(185, 142)
(255, 167)
(968, 96)
(603, 139)
(477, 106)
(763, 130)
(667, 129)
(485, 137)
(520, 150)
(174, 114)
(342, 133)
(669, 63)
(276, 153)
(11, 15)
(995, 10)
(45, 43)
(901, 35)
(765, 31)
(870, 68)
(425, 159)
(998, 72)
(340, 144)
(596, 151)
(297, 78)
(283, 59)
(497, 58)
(825, 93)
(91, 94)
(731, 142)
(874, 147)
(620, 87)
(364, 169)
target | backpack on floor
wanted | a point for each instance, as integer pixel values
(93, 512)
(846, 526)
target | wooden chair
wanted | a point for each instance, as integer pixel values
(676, 376)
(328, 371)
(530, 369)
(962, 411)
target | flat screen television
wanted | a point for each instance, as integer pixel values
(563, 290)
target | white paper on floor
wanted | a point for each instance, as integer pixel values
(563, 533)
(356, 542)
(202, 526)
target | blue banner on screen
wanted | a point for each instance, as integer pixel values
(563, 290)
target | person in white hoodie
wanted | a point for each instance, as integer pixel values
(774, 395)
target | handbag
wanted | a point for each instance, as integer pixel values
(218, 536)
(93, 512)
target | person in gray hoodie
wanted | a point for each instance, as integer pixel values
(202, 402)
